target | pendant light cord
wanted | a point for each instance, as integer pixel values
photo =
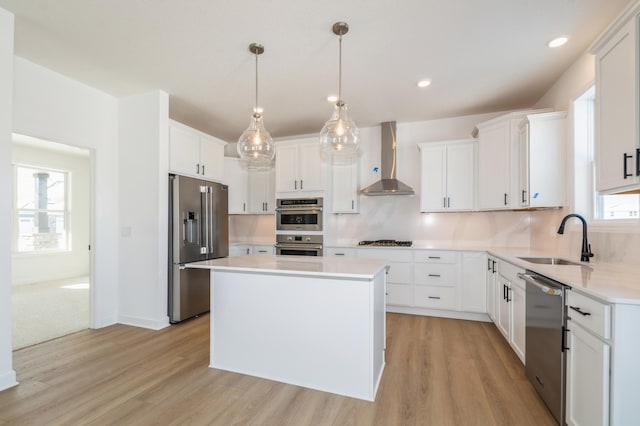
(340, 70)
(255, 111)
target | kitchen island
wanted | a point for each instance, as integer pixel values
(316, 322)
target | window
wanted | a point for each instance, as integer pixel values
(598, 207)
(41, 209)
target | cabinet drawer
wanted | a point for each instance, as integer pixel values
(399, 272)
(509, 271)
(445, 274)
(435, 297)
(341, 252)
(397, 255)
(436, 256)
(593, 315)
(399, 294)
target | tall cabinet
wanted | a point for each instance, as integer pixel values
(196, 154)
(617, 105)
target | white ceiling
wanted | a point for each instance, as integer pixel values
(483, 56)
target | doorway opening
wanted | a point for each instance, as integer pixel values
(51, 234)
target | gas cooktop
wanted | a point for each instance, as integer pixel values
(386, 243)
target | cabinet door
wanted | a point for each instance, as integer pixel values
(184, 151)
(474, 282)
(523, 152)
(433, 178)
(236, 179)
(260, 194)
(310, 166)
(518, 319)
(286, 168)
(491, 288)
(212, 158)
(503, 308)
(345, 188)
(494, 171)
(460, 176)
(587, 378)
(616, 110)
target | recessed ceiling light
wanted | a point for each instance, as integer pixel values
(424, 83)
(332, 98)
(558, 41)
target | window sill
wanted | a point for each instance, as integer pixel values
(630, 226)
(22, 254)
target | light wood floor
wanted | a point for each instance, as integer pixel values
(438, 372)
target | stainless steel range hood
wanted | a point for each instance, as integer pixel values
(388, 185)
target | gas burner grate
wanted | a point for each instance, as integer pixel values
(386, 243)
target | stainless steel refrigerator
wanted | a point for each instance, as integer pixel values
(198, 230)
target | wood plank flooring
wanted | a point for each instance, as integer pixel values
(438, 372)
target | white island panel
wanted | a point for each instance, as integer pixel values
(321, 330)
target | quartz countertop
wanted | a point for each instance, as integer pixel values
(328, 267)
(609, 282)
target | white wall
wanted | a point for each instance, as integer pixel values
(7, 374)
(50, 106)
(143, 195)
(34, 267)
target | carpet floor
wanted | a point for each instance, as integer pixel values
(47, 310)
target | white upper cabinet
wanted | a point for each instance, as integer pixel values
(617, 109)
(261, 189)
(542, 160)
(498, 161)
(495, 163)
(193, 153)
(448, 176)
(345, 188)
(250, 192)
(298, 166)
(236, 178)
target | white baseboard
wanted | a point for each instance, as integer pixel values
(153, 324)
(471, 316)
(8, 380)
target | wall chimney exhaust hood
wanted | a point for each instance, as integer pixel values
(388, 185)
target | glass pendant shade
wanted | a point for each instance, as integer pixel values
(339, 138)
(255, 146)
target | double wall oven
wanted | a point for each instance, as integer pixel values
(299, 226)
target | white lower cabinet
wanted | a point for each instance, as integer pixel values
(510, 306)
(420, 281)
(491, 278)
(587, 376)
(245, 249)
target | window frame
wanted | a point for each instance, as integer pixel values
(16, 212)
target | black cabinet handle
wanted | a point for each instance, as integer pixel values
(203, 169)
(434, 297)
(434, 257)
(434, 275)
(198, 168)
(488, 264)
(505, 198)
(444, 202)
(448, 202)
(578, 310)
(637, 161)
(524, 193)
(493, 267)
(625, 157)
(504, 292)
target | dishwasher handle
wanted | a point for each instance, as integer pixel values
(542, 285)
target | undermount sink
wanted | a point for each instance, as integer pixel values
(549, 261)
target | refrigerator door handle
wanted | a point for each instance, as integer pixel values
(205, 228)
(211, 225)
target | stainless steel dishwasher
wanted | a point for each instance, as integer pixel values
(545, 345)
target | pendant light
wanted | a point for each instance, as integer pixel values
(339, 136)
(255, 146)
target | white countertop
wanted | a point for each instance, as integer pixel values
(351, 268)
(610, 282)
